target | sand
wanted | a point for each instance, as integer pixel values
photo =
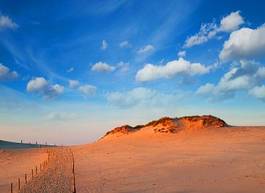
(224, 160)
(15, 163)
(56, 177)
(219, 160)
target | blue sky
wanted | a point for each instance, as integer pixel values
(71, 70)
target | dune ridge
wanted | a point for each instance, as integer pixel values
(172, 125)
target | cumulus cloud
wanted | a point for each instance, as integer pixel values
(104, 45)
(87, 89)
(243, 77)
(41, 86)
(102, 67)
(36, 84)
(146, 49)
(176, 67)
(7, 23)
(244, 43)
(6, 74)
(207, 31)
(140, 96)
(231, 22)
(73, 84)
(125, 44)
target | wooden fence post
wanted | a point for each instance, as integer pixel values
(26, 180)
(11, 187)
(18, 184)
(73, 159)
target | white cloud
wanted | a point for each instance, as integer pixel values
(261, 73)
(87, 90)
(102, 67)
(207, 31)
(39, 83)
(125, 44)
(104, 45)
(146, 49)
(176, 67)
(73, 84)
(239, 78)
(6, 74)
(231, 22)
(182, 53)
(258, 92)
(140, 96)
(234, 83)
(41, 86)
(7, 23)
(244, 43)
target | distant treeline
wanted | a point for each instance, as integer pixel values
(16, 145)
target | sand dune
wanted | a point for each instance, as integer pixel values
(220, 160)
(186, 155)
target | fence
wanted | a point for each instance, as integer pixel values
(73, 171)
(16, 187)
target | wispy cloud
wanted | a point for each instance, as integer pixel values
(60, 116)
(207, 31)
(125, 44)
(105, 67)
(84, 89)
(87, 90)
(104, 45)
(73, 84)
(140, 96)
(258, 92)
(71, 69)
(182, 53)
(146, 49)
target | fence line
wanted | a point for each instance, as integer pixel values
(42, 166)
(73, 171)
